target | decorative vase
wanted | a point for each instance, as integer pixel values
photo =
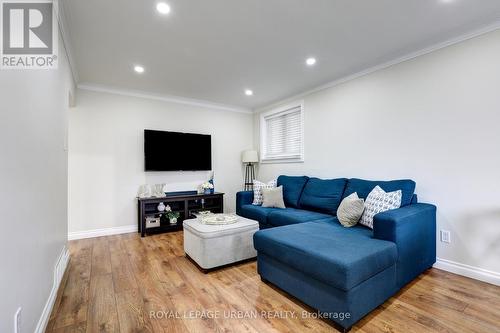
(173, 220)
(207, 191)
(212, 190)
(144, 191)
(158, 191)
(161, 207)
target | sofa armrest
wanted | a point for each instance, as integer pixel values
(413, 229)
(243, 198)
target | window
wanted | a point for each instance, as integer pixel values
(281, 134)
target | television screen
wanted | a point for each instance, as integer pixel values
(173, 151)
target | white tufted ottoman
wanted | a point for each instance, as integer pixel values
(218, 245)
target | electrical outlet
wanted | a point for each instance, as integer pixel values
(445, 236)
(17, 321)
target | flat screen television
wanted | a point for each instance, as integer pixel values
(174, 151)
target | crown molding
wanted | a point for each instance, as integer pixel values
(63, 29)
(163, 98)
(456, 40)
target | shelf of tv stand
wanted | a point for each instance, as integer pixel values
(184, 203)
(161, 213)
(164, 228)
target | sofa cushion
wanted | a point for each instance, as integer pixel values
(292, 189)
(258, 186)
(273, 197)
(350, 210)
(257, 213)
(323, 195)
(364, 187)
(328, 252)
(293, 216)
(379, 201)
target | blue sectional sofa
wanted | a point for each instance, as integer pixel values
(344, 273)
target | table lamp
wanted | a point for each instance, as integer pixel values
(249, 157)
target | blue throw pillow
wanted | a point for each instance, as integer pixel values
(323, 195)
(292, 189)
(364, 187)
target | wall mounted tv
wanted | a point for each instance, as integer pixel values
(173, 151)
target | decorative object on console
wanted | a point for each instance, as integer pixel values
(212, 189)
(350, 210)
(199, 190)
(249, 157)
(207, 188)
(152, 222)
(159, 190)
(257, 190)
(219, 219)
(273, 197)
(379, 201)
(172, 216)
(144, 191)
(201, 213)
(161, 207)
(211, 181)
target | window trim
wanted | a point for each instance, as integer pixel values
(275, 112)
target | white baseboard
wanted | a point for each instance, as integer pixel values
(59, 269)
(102, 232)
(468, 271)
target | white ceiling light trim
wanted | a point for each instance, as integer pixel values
(164, 98)
(311, 61)
(248, 92)
(476, 33)
(163, 8)
(139, 69)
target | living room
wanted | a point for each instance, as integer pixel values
(285, 166)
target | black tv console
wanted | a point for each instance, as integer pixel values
(185, 203)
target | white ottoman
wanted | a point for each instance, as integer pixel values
(218, 245)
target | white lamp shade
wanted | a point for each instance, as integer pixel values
(250, 156)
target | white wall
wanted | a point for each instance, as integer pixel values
(434, 119)
(106, 158)
(33, 177)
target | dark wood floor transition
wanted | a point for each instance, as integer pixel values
(128, 284)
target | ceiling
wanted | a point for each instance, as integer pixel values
(214, 50)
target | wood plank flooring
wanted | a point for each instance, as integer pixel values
(129, 284)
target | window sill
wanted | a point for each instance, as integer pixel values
(282, 160)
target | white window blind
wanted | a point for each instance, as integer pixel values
(282, 135)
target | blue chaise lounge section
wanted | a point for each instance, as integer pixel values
(342, 272)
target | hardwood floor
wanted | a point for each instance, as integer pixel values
(128, 284)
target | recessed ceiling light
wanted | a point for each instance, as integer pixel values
(310, 61)
(248, 92)
(139, 69)
(163, 8)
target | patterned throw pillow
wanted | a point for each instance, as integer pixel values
(257, 190)
(379, 201)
